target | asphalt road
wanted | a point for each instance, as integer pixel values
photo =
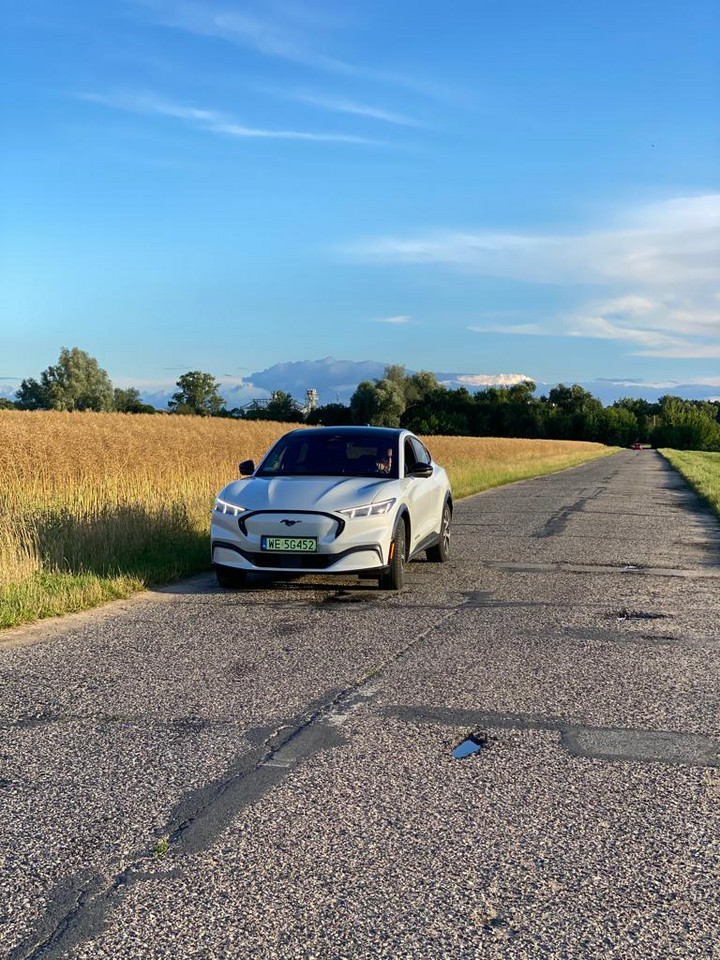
(269, 773)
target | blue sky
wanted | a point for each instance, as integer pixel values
(482, 187)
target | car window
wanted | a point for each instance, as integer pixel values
(332, 455)
(410, 456)
(421, 454)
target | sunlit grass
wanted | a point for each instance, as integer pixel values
(478, 463)
(94, 507)
(701, 470)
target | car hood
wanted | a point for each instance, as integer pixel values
(307, 493)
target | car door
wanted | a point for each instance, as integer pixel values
(422, 494)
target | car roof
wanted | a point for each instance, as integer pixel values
(389, 433)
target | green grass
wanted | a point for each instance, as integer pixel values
(701, 470)
(473, 478)
(89, 563)
(54, 593)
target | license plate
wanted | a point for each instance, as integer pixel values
(289, 544)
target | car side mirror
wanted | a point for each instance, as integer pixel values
(246, 468)
(421, 470)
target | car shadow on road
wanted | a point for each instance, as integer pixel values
(262, 585)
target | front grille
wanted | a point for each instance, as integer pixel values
(339, 524)
(292, 561)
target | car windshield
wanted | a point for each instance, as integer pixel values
(332, 455)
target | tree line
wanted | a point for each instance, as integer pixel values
(398, 399)
(417, 401)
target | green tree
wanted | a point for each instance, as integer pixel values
(442, 411)
(330, 415)
(647, 414)
(396, 373)
(281, 407)
(32, 395)
(686, 425)
(391, 403)
(6, 404)
(76, 382)
(197, 394)
(128, 401)
(364, 402)
(380, 404)
(618, 427)
(575, 414)
(419, 386)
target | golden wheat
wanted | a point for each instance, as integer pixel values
(96, 505)
(477, 463)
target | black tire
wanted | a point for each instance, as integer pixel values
(394, 579)
(440, 553)
(230, 577)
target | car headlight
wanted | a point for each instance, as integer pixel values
(369, 509)
(222, 506)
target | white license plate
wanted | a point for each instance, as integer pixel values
(289, 544)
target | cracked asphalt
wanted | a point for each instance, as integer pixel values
(269, 773)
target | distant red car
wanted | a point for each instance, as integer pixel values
(637, 446)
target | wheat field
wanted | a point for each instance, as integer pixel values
(95, 506)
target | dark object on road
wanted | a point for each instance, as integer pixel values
(472, 744)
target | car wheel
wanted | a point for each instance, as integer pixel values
(230, 577)
(441, 551)
(394, 579)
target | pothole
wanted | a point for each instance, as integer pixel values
(626, 614)
(349, 596)
(241, 669)
(470, 745)
(477, 598)
(500, 926)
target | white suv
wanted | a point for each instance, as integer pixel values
(348, 500)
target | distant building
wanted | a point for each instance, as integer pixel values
(311, 402)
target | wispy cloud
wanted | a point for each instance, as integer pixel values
(650, 328)
(400, 319)
(285, 31)
(343, 105)
(661, 261)
(677, 241)
(661, 327)
(520, 329)
(648, 341)
(276, 34)
(213, 121)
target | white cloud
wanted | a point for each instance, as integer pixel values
(343, 105)
(632, 305)
(391, 320)
(279, 30)
(663, 244)
(212, 121)
(488, 379)
(273, 33)
(653, 328)
(519, 329)
(661, 264)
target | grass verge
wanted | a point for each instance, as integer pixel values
(701, 470)
(95, 507)
(475, 464)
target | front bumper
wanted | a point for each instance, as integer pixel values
(344, 546)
